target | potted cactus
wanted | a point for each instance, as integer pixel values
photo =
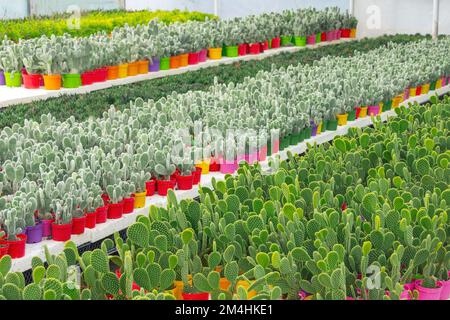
(116, 205)
(15, 238)
(62, 227)
(11, 64)
(51, 57)
(32, 77)
(185, 178)
(94, 201)
(139, 180)
(164, 168)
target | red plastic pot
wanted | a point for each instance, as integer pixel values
(243, 49)
(91, 220)
(101, 74)
(61, 232)
(214, 167)
(185, 182)
(16, 249)
(3, 249)
(197, 175)
(87, 78)
(358, 111)
(418, 90)
(193, 58)
(128, 205)
(150, 186)
(31, 81)
(101, 214)
(323, 37)
(265, 46)
(115, 210)
(78, 225)
(345, 33)
(255, 48)
(105, 198)
(164, 185)
(276, 43)
(195, 296)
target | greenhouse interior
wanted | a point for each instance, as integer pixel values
(225, 150)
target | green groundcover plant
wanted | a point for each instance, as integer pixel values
(316, 225)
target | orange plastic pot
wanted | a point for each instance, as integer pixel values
(353, 33)
(396, 101)
(215, 53)
(52, 81)
(224, 284)
(143, 66)
(113, 72)
(133, 69)
(123, 70)
(184, 60)
(363, 112)
(245, 284)
(175, 62)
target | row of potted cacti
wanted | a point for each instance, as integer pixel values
(71, 62)
(61, 168)
(364, 218)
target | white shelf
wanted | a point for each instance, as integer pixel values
(12, 96)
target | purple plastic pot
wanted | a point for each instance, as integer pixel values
(2, 78)
(202, 55)
(154, 66)
(47, 228)
(314, 130)
(406, 94)
(228, 167)
(34, 234)
(373, 110)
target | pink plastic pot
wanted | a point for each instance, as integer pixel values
(311, 40)
(252, 157)
(406, 94)
(47, 228)
(429, 293)
(228, 168)
(329, 36)
(128, 205)
(202, 55)
(373, 110)
(276, 146)
(445, 292)
(262, 153)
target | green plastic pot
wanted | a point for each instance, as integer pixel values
(387, 105)
(269, 148)
(352, 115)
(332, 125)
(71, 80)
(308, 132)
(301, 136)
(324, 125)
(164, 63)
(231, 51)
(13, 79)
(284, 143)
(300, 41)
(433, 86)
(286, 40)
(319, 37)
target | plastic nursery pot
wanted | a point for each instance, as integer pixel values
(174, 62)
(185, 182)
(418, 90)
(203, 55)
(342, 119)
(195, 296)
(363, 112)
(31, 81)
(311, 40)
(204, 165)
(323, 37)
(3, 249)
(34, 233)
(353, 33)
(407, 287)
(358, 111)
(231, 51)
(139, 199)
(445, 291)
(193, 58)
(143, 66)
(101, 214)
(373, 110)
(262, 153)
(164, 63)
(406, 94)
(387, 105)
(224, 284)
(47, 228)
(61, 232)
(251, 157)
(78, 225)
(215, 53)
(426, 88)
(13, 79)
(264, 45)
(197, 174)
(314, 130)
(164, 185)
(184, 60)
(123, 71)
(429, 293)
(115, 210)
(71, 80)
(300, 41)
(102, 74)
(154, 66)
(87, 78)
(91, 220)
(275, 43)
(2, 78)
(332, 125)
(112, 72)
(286, 40)
(352, 115)
(318, 38)
(345, 33)
(396, 101)
(214, 166)
(242, 49)
(52, 81)
(437, 86)
(228, 167)
(150, 187)
(16, 248)
(329, 35)
(128, 205)
(133, 69)
(319, 128)
(255, 48)
(412, 92)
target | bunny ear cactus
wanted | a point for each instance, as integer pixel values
(163, 165)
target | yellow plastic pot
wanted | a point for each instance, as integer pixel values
(342, 119)
(184, 60)
(204, 165)
(363, 112)
(52, 81)
(319, 128)
(139, 199)
(412, 92)
(133, 69)
(245, 284)
(426, 88)
(224, 284)
(353, 33)
(215, 53)
(123, 70)
(143, 66)
(439, 84)
(396, 101)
